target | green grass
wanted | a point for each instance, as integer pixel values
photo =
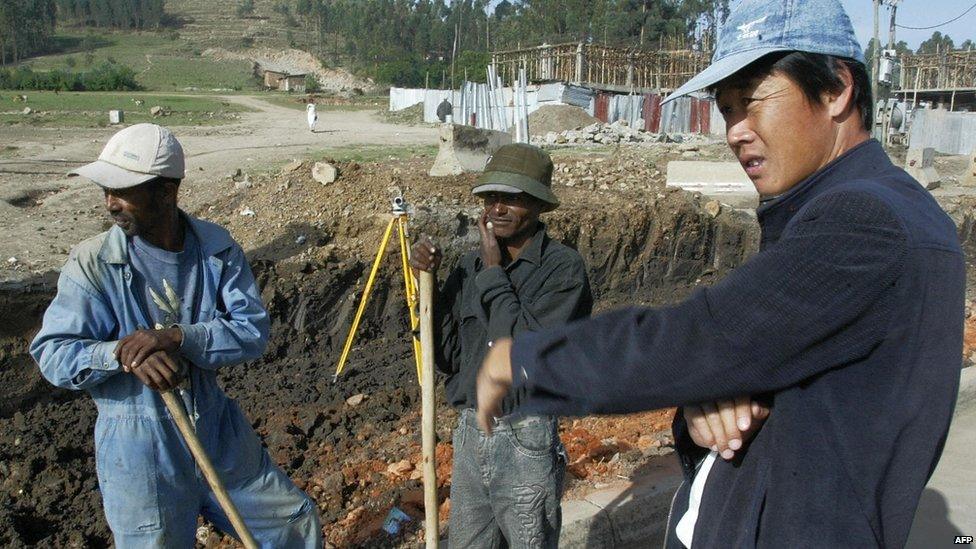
(90, 109)
(161, 62)
(373, 153)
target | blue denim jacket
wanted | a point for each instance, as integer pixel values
(96, 306)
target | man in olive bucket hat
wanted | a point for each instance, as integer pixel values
(505, 486)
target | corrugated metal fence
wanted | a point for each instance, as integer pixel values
(684, 115)
(946, 132)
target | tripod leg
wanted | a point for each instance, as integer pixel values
(410, 287)
(362, 302)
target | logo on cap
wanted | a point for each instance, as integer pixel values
(747, 31)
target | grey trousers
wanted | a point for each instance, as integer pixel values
(506, 488)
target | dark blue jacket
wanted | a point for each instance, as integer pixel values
(849, 319)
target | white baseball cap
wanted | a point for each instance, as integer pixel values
(134, 156)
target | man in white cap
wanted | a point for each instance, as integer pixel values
(848, 323)
(161, 268)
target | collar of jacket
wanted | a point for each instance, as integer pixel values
(861, 160)
(211, 238)
(533, 252)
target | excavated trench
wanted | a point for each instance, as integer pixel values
(652, 253)
(651, 250)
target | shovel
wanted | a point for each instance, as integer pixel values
(175, 407)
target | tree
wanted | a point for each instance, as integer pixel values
(937, 43)
(245, 8)
(125, 14)
(403, 40)
(26, 27)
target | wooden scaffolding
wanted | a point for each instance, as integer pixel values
(940, 76)
(603, 67)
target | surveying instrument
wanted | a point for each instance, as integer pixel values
(399, 221)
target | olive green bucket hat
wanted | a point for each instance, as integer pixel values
(519, 168)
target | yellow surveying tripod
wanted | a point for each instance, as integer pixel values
(398, 221)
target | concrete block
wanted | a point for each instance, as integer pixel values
(638, 510)
(116, 116)
(969, 179)
(585, 526)
(709, 178)
(947, 507)
(465, 149)
(920, 164)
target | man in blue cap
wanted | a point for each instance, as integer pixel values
(848, 323)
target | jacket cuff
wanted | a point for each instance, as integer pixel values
(103, 357)
(194, 345)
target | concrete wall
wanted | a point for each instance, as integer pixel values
(946, 132)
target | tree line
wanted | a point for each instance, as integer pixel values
(405, 41)
(106, 76)
(26, 27)
(116, 14)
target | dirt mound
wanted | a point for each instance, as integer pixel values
(410, 116)
(297, 62)
(558, 118)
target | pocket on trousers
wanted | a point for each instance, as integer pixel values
(534, 439)
(238, 454)
(125, 462)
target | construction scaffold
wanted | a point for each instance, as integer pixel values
(943, 73)
(602, 67)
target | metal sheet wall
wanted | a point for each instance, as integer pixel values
(946, 132)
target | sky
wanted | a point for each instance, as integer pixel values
(913, 13)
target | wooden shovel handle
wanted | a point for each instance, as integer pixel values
(175, 407)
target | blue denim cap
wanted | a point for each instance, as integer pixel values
(755, 28)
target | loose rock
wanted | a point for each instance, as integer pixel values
(324, 173)
(713, 208)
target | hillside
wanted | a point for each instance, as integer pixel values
(207, 24)
(208, 48)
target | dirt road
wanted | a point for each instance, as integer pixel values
(43, 213)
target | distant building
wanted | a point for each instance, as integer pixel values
(284, 81)
(272, 79)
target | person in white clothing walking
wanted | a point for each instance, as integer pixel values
(312, 116)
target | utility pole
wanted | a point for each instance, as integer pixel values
(889, 85)
(643, 21)
(874, 64)
(891, 25)
(453, 55)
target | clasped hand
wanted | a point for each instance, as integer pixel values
(151, 356)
